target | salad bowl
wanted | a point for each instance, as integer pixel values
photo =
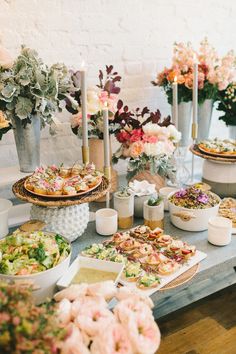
(195, 217)
(43, 282)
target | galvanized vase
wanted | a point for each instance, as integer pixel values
(27, 143)
(232, 132)
(184, 122)
(204, 119)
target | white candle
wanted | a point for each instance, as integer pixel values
(106, 137)
(83, 75)
(195, 91)
(175, 102)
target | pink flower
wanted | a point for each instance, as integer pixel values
(87, 301)
(149, 139)
(114, 340)
(74, 343)
(103, 96)
(143, 333)
(92, 320)
(136, 135)
(76, 120)
(16, 320)
(122, 136)
(136, 149)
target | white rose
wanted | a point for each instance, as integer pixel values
(151, 129)
(175, 135)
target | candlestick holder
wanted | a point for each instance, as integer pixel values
(85, 154)
(107, 173)
(194, 138)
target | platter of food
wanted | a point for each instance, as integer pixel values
(151, 258)
(218, 147)
(60, 182)
(228, 210)
(35, 258)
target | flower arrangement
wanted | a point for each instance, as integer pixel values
(93, 328)
(24, 327)
(194, 198)
(30, 88)
(214, 73)
(227, 104)
(145, 139)
(106, 92)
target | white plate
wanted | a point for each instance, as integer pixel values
(91, 263)
(198, 257)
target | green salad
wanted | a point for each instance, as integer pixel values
(23, 253)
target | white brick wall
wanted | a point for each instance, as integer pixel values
(134, 35)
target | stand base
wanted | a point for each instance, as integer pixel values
(70, 221)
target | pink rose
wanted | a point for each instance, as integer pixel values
(114, 340)
(150, 139)
(76, 120)
(103, 96)
(136, 149)
(136, 135)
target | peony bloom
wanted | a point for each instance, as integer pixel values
(149, 139)
(92, 320)
(151, 129)
(114, 340)
(136, 135)
(154, 149)
(123, 136)
(93, 101)
(136, 149)
(174, 134)
(143, 334)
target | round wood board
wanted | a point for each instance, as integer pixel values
(217, 154)
(62, 196)
(183, 278)
(224, 160)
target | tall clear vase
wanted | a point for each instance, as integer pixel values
(204, 119)
(27, 143)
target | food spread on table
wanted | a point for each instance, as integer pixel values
(53, 181)
(218, 146)
(194, 198)
(148, 254)
(24, 253)
(91, 275)
(228, 209)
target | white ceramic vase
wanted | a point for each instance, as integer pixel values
(232, 132)
(184, 121)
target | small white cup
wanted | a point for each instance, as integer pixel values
(219, 231)
(106, 221)
(164, 192)
(5, 206)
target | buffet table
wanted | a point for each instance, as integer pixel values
(216, 272)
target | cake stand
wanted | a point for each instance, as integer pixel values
(219, 172)
(67, 216)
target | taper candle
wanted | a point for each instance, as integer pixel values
(106, 137)
(175, 102)
(83, 75)
(195, 90)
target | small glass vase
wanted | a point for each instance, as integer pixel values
(153, 215)
(182, 174)
(125, 209)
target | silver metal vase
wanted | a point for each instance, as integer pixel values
(27, 143)
(232, 132)
(184, 121)
(204, 119)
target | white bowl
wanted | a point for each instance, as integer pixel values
(191, 219)
(44, 283)
(91, 263)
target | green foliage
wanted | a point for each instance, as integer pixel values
(154, 201)
(227, 104)
(32, 88)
